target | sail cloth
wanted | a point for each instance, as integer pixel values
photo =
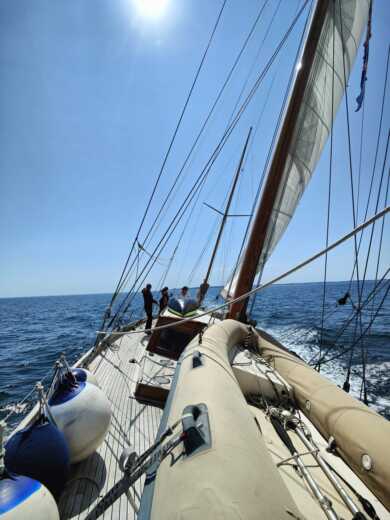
(315, 117)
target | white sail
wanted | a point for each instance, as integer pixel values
(314, 119)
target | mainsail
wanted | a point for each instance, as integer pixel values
(306, 131)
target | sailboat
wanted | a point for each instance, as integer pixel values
(207, 416)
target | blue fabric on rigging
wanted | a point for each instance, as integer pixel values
(363, 78)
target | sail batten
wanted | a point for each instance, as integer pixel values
(304, 130)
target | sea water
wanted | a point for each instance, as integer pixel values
(34, 331)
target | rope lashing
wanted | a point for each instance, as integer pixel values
(135, 466)
(343, 300)
(347, 386)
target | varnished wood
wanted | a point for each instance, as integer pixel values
(134, 426)
(257, 237)
(171, 342)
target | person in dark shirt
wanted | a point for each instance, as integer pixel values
(164, 298)
(148, 305)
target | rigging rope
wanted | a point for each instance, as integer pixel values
(356, 310)
(380, 242)
(118, 288)
(211, 111)
(254, 61)
(364, 353)
(265, 102)
(261, 179)
(382, 228)
(204, 173)
(376, 151)
(363, 333)
(162, 282)
(256, 126)
(349, 146)
(194, 219)
(278, 278)
(329, 189)
(376, 209)
(347, 384)
(370, 298)
(356, 249)
(133, 291)
(360, 160)
(364, 350)
(213, 228)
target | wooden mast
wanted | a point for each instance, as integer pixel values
(257, 237)
(204, 286)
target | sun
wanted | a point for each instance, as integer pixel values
(151, 8)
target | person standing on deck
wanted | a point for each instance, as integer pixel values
(148, 305)
(164, 298)
(184, 293)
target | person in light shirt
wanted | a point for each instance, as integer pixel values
(184, 293)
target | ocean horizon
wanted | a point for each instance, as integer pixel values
(35, 330)
(172, 289)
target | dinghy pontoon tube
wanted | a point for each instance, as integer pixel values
(234, 477)
(362, 436)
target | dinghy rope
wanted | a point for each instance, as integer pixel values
(255, 290)
(135, 466)
(285, 417)
(284, 420)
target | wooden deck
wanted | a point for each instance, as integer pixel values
(133, 425)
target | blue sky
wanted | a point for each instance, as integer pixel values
(90, 92)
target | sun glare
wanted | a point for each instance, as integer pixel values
(151, 8)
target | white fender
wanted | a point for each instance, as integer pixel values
(84, 419)
(23, 497)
